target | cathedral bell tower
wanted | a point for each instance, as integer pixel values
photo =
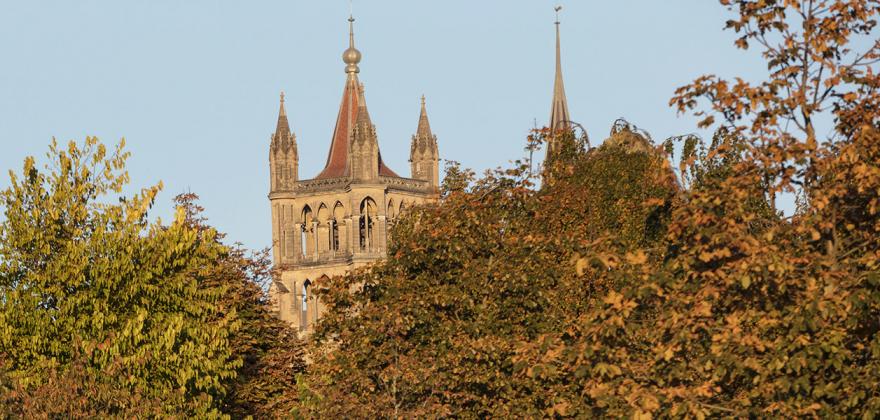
(341, 219)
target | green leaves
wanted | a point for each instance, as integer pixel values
(92, 291)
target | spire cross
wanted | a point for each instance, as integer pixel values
(351, 56)
(557, 9)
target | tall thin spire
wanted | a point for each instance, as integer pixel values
(559, 117)
(424, 129)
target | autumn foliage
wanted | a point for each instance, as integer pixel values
(629, 279)
(637, 283)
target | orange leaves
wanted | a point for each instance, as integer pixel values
(608, 293)
(703, 309)
(623, 307)
(638, 257)
(706, 122)
(718, 254)
(581, 266)
(559, 409)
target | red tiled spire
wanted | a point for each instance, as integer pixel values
(337, 159)
(352, 102)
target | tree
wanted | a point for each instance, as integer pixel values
(437, 328)
(623, 189)
(748, 314)
(98, 303)
(819, 55)
(591, 297)
(270, 352)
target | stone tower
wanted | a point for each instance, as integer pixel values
(340, 219)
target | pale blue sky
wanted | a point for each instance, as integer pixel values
(193, 85)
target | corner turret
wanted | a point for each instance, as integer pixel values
(283, 155)
(364, 144)
(424, 156)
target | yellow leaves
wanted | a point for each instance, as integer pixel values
(668, 354)
(614, 299)
(642, 415)
(29, 164)
(637, 258)
(598, 261)
(179, 215)
(619, 304)
(708, 256)
(607, 370)
(581, 265)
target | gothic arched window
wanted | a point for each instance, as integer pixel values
(306, 238)
(367, 220)
(334, 235)
(305, 304)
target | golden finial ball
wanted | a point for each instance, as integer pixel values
(351, 56)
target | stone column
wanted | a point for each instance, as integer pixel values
(289, 240)
(369, 231)
(276, 235)
(379, 234)
(308, 238)
(297, 242)
(348, 243)
(343, 238)
(315, 240)
(323, 238)
(356, 234)
(284, 307)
